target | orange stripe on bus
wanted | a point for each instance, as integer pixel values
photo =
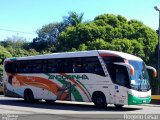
(75, 82)
(37, 82)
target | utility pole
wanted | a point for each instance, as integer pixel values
(158, 89)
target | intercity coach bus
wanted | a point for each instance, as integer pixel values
(99, 76)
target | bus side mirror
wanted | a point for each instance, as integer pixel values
(153, 69)
(129, 66)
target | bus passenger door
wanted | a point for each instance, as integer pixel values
(122, 81)
(118, 90)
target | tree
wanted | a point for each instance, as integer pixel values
(128, 46)
(47, 36)
(73, 19)
(108, 19)
(18, 46)
(15, 42)
(49, 33)
(99, 44)
(108, 31)
(3, 55)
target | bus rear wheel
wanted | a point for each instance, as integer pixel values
(28, 96)
(99, 100)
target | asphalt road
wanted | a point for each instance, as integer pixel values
(17, 109)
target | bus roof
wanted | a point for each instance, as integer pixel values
(120, 54)
(80, 54)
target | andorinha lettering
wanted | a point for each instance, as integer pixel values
(64, 77)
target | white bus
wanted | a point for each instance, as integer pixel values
(99, 76)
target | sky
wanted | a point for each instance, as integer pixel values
(23, 18)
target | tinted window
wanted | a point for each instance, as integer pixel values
(24, 67)
(37, 66)
(62, 65)
(77, 65)
(10, 67)
(72, 65)
(92, 65)
(55, 65)
(118, 74)
(67, 66)
(32, 66)
(111, 59)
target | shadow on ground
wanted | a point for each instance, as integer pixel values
(62, 106)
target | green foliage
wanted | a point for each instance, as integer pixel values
(15, 42)
(73, 19)
(98, 44)
(4, 54)
(19, 52)
(82, 47)
(112, 32)
(107, 19)
(128, 46)
(1, 71)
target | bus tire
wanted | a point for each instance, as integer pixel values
(118, 106)
(50, 101)
(28, 96)
(99, 100)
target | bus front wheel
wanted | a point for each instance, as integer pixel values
(118, 106)
(50, 101)
(99, 100)
(28, 95)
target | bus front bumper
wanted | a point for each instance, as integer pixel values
(133, 100)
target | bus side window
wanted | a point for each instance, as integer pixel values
(92, 65)
(99, 69)
(77, 65)
(54, 66)
(111, 70)
(27, 69)
(44, 66)
(51, 66)
(11, 67)
(37, 66)
(120, 77)
(67, 66)
(21, 66)
(24, 66)
(118, 74)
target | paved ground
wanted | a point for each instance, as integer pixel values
(11, 107)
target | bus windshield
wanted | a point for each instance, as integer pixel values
(140, 80)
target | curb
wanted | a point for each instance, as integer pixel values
(155, 99)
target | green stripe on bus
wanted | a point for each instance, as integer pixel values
(133, 100)
(77, 95)
(85, 88)
(75, 92)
